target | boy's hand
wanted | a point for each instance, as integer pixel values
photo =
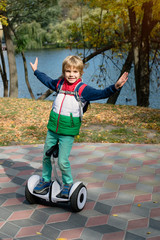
(34, 65)
(122, 80)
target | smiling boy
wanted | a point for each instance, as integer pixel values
(65, 117)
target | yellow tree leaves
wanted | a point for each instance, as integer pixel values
(3, 19)
(109, 20)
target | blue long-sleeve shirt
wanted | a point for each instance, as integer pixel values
(89, 93)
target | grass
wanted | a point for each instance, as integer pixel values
(24, 121)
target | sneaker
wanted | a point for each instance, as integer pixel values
(65, 191)
(42, 187)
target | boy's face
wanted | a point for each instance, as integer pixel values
(72, 74)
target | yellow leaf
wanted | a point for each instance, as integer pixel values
(61, 238)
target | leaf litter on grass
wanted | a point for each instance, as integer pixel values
(24, 121)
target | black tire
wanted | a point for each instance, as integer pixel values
(78, 198)
(29, 196)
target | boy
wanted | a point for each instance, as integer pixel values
(65, 117)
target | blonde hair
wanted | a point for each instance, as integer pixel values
(73, 61)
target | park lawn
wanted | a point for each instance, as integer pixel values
(24, 121)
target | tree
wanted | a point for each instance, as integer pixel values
(16, 13)
(141, 45)
(21, 45)
(126, 68)
(29, 36)
(13, 91)
(127, 24)
(3, 72)
(3, 19)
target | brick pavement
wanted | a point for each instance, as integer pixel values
(123, 203)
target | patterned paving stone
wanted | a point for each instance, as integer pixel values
(114, 236)
(123, 182)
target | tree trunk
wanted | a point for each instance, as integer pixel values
(143, 67)
(126, 68)
(3, 73)
(46, 94)
(140, 44)
(135, 41)
(13, 91)
(26, 75)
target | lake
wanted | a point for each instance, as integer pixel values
(50, 62)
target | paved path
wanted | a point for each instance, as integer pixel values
(123, 182)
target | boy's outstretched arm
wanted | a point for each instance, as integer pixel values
(34, 65)
(122, 80)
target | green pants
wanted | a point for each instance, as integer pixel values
(65, 146)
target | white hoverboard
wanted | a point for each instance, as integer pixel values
(77, 194)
